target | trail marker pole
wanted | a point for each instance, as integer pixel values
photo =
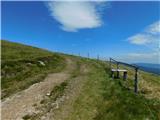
(88, 55)
(136, 81)
(110, 63)
(117, 70)
(110, 66)
(97, 57)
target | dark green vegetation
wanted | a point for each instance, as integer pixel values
(101, 97)
(22, 66)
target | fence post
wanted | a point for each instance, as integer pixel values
(125, 75)
(110, 63)
(88, 55)
(97, 57)
(136, 81)
(117, 70)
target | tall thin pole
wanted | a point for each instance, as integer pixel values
(110, 63)
(117, 70)
(136, 81)
(110, 66)
(97, 57)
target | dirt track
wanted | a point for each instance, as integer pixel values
(65, 108)
(22, 103)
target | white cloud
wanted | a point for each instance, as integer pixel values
(154, 28)
(150, 36)
(76, 15)
(144, 56)
(141, 39)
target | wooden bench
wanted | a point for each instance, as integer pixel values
(119, 70)
(124, 71)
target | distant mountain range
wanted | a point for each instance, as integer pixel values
(149, 67)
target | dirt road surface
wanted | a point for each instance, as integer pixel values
(21, 103)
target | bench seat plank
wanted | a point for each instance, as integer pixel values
(119, 70)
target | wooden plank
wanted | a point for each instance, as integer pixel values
(120, 70)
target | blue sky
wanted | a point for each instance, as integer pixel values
(128, 31)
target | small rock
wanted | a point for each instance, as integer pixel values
(29, 63)
(41, 63)
(24, 106)
(48, 94)
(62, 98)
(43, 118)
(55, 105)
(67, 97)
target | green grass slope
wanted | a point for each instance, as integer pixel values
(22, 66)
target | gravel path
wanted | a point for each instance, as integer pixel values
(72, 92)
(22, 103)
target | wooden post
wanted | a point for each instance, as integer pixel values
(117, 70)
(97, 57)
(125, 75)
(88, 55)
(136, 81)
(110, 67)
(110, 63)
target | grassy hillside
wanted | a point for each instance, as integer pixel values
(106, 99)
(102, 98)
(93, 95)
(14, 52)
(22, 66)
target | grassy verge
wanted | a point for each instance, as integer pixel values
(23, 66)
(121, 104)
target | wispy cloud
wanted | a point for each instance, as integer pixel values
(149, 36)
(150, 57)
(76, 15)
(153, 28)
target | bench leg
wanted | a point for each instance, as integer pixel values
(124, 75)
